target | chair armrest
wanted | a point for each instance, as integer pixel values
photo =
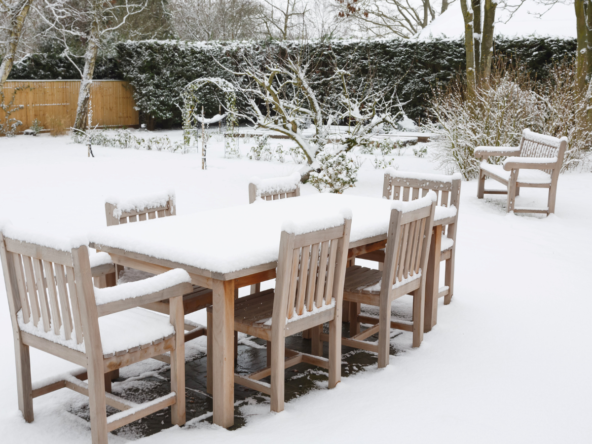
(101, 264)
(484, 152)
(167, 285)
(532, 163)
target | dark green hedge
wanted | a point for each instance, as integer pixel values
(159, 70)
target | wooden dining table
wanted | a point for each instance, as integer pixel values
(229, 248)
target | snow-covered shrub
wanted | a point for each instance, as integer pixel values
(337, 172)
(36, 127)
(297, 156)
(9, 126)
(500, 111)
(420, 152)
(280, 153)
(381, 163)
(261, 147)
(126, 139)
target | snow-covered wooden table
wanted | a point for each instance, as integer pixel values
(230, 248)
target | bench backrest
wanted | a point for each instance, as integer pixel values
(405, 186)
(542, 146)
(408, 241)
(52, 290)
(123, 211)
(275, 188)
(311, 271)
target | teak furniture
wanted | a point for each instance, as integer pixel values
(222, 255)
(55, 308)
(407, 246)
(308, 294)
(536, 163)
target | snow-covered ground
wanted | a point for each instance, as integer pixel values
(509, 361)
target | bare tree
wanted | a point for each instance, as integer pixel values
(13, 14)
(92, 22)
(403, 18)
(284, 19)
(215, 19)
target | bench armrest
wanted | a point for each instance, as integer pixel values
(167, 285)
(532, 163)
(484, 152)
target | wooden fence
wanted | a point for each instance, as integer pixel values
(54, 103)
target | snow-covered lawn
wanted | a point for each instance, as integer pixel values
(510, 360)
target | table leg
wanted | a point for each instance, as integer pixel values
(433, 280)
(223, 351)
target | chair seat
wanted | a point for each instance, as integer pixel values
(120, 332)
(252, 312)
(526, 176)
(368, 281)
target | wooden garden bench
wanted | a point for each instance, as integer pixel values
(405, 264)
(308, 294)
(55, 308)
(536, 163)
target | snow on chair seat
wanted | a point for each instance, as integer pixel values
(536, 163)
(524, 176)
(55, 308)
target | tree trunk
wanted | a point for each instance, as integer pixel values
(16, 24)
(487, 39)
(467, 11)
(445, 5)
(477, 37)
(90, 58)
(588, 10)
(582, 56)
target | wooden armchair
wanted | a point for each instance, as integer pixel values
(407, 247)
(273, 189)
(119, 212)
(536, 163)
(308, 293)
(55, 308)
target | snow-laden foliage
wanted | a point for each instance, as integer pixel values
(128, 140)
(503, 108)
(337, 172)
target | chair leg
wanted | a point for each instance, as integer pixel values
(268, 346)
(111, 280)
(316, 345)
(481, 187)
(354, 322)
(98, 407)
(210, 358)
(418, 315)
(23, 376)
(278, 352)
(384, 332)
(178, 412)
(517, 191)
(449, 276)
(512, 190)
(334, 351)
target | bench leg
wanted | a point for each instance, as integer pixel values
(481, 188)
(316, 345)
(210, 356)
(418, 315)
(551, 201)
(512, 190)
(334, 350)
(449, 276)
(384, 332)
(23, 377)
(278, 352)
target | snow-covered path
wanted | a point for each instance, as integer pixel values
(509, 361)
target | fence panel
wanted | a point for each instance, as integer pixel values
(54, 102)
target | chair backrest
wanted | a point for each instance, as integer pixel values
(407, 186)
(51, 289)
(311, 269)
(540, 145)
(409, 237)
(119, 211)
(275, 188)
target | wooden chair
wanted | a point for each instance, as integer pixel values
(536, 163)
(273, 189)
(55, 308)
(407, 247)
(308, 293)
(157, 206)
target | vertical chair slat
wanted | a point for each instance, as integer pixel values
(152, 215)
(293, 281)
(312, 279)
(322, 273)
(53, 297)
(415, 193)
(303, 279)
(133, 218)
(20, 280)
(396, 192)
(405, 194)
(424, 191)
(64, 303)
(420, 246)
(403, 251)
(123, 220)
(142, 216)
(161, 213)
(331, 272)
(32, 289)
(74, 304)
(40, 281)
(444, 201)
(407, 269)
(411, 266)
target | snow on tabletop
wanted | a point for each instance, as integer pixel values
(45, 239)
(140, 203)
(376, 287)
(531, 160)
(119, 331)
(141, 288)
(416, 204)
(98, 259)
(277, 185)
(542, 138)
(307, 223)
(306, 313)
(234, 238)
(422, 176)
